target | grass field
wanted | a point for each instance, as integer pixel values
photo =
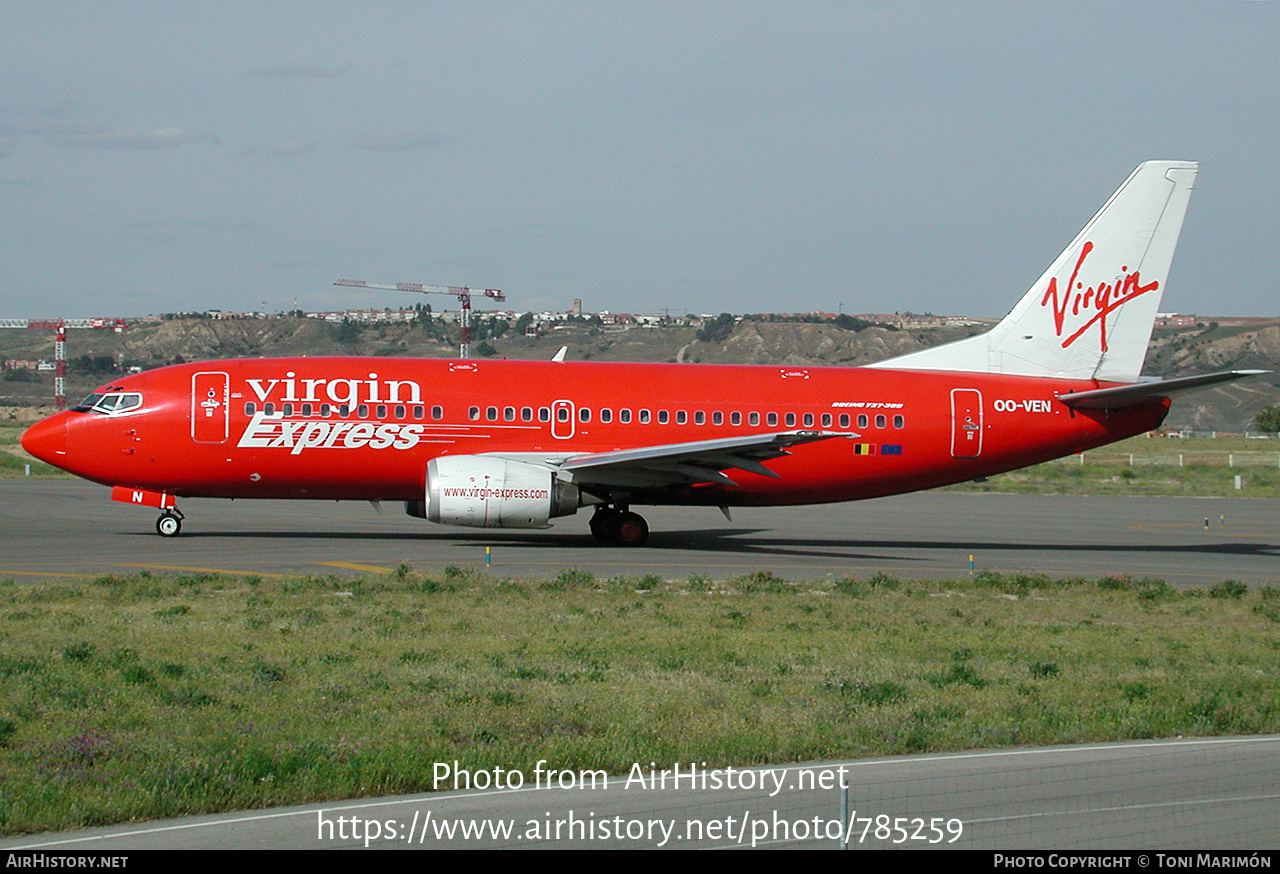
(143, 696)
(1202, 467)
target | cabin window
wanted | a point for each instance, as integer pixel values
(473, 413)
(526, 414)
(880, 421)
(699, 418)
(791, 420)
(307, 409)
(249, 408)
(663, 417)
(326, 410)
(362, 411)
(735, 418)
(624, 416)
(508, 414)
(381, 411)
(772, 419)
(400, 411)
(681, 417)
(808, 420)
(753, 419)
(644, 417)
(544, 414)
(491, 413)
(562, 414)
(344, 410)
(826, 420)
(717, 418)
(606, 415)
(584, 414)
(269, 408)
(899, 422)
(844, 420)
(862, 420)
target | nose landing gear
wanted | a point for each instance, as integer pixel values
(170, 523)
(619, 527)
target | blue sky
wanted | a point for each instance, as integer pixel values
(700, 157)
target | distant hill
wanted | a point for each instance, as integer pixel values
(94, 355)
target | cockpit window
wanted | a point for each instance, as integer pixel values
(111, 403)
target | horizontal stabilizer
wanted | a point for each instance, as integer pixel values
(1146, 392)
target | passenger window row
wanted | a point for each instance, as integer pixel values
(606, 415)
(380, 411)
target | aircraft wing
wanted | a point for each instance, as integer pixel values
(1145, 392)
(702, 461)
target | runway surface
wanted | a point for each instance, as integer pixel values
(1209, 794)
(71, 527)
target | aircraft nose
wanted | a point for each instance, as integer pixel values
(47, 440)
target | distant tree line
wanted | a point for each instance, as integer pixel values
(1268, 419)
(93, 364)
(842, 321)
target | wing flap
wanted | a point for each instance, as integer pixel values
(702, 461)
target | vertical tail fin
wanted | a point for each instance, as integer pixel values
(1090, 315)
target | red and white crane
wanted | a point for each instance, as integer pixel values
(460, 291)
(60, 345)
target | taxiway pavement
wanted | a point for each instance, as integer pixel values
(60, 527)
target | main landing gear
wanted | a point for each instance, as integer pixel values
(170, 523)
(620, 527)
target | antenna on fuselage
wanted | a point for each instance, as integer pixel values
(460, 291)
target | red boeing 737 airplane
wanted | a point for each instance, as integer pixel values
(513, 444)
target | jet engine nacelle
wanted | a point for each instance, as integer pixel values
(493, 492)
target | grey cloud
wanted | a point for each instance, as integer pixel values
(296, 71)
(53, 128)
(294, 147)
(400, 141)
(240, 224)
(126, 140)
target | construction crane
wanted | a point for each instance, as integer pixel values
(60, 345)
(461, 292)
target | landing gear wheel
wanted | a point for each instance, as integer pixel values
(169, 525)
(630, 530)
(602, 524)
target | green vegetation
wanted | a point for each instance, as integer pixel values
(13, 460)
(1192, 467)
(717, 330)
(1268, 419)
(140, 696)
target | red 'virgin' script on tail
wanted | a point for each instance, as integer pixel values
(1095, 302)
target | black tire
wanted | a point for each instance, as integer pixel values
(168, 525)
(630, 530)
(602, 524)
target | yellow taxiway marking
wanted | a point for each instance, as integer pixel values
(367, 568)
(42, 574)
(203, 570)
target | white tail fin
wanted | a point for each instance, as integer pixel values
(1090, 315)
